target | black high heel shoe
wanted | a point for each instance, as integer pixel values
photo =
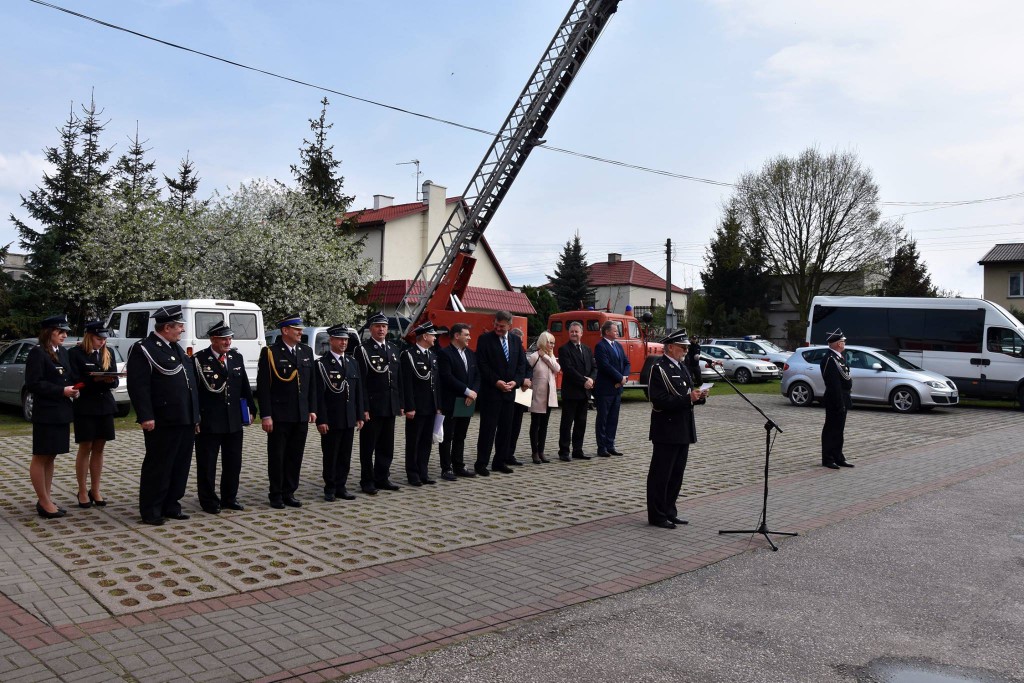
(97, 503)
(49, 515)
(86, 504)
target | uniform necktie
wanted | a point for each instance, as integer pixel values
(504, 347)
(223, 358)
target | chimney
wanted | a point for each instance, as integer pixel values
(614, 258)
(382, 201)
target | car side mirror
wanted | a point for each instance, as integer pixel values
(876, 366)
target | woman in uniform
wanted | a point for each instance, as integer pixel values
(49, 379)
(94, 410)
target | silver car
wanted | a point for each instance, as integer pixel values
(12, 377)
(878, 377)
(757, 348)
(741, 367)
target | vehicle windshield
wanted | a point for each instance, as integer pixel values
(770, 346)
(897, 361)
(735, 353)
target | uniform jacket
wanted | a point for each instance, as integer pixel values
(838, 384)
(671, 409)
(221, 388)
(612, 366)
(382, 378)
(339, 390)
(46, 380)
(421, 389)
(577, 367)
(490, 359)
(545, 389)
(95, 397)
(162, 383)
(456, 377)
(287, 391)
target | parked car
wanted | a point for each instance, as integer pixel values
(757, 348)
(707, 372)
(741, 367)
(878, 377)
(12, 377)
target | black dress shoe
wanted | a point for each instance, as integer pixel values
(845, 464)
(388, 486)
(676, 520)
(277, 505)
(293, 502)
(482, 471)
(179, 515)
(369, 490)
(211, 509)
(94, 501)
(415, 482)
(504, 469)
(604, 455)
(153, 521)
(345, 495)
(233, 505)
(329, 496)
(448, 475)
(429, 482)
(615, 452)
(830, 465)
(59, 512)
(463, 472)
(87, 504)
(512, 462)
(586, 457)
(565, 458)
(663, 524)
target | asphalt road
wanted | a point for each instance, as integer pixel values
(926, 591)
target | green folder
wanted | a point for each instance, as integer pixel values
(461, 409)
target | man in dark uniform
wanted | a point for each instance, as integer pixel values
(287, 397)
(578, 375)
(502, 362)
(382, 391)
(162, 386)
(339, 412)
(460, 383)
(836, 375)
(225, 405)
(673, 394)
(421, 391)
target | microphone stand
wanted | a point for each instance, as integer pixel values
(769, 425)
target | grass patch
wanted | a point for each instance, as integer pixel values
(720, 389)
(13, 424)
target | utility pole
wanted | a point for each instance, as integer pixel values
(671, 320)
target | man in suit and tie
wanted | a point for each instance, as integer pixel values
(460, 382)
(287, 396)
(578, 375)
(223, 389)
(612, 375)
(339, 401)
(162, 386)
(380, 371)
(502, 362)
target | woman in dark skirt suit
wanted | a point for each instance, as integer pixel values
(94, 409)
(49, 378)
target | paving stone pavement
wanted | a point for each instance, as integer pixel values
(331, 588)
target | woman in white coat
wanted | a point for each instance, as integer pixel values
(545, 397)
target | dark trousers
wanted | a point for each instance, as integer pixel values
(376, 436)
(832, 436)
(336, 446)
(285, 446)
(418, 440)
(518, 411)
(230, 447)
(165, 470)
(572, 426)
(539, 430)
(607, 423)
(664, 479)
(495, 432)
(453, 447)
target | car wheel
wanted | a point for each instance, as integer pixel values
(742, 376)
(801, 394)
(27, 401)
(905, 400)
(123, 409)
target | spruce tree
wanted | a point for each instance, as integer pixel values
(570, 284)
(908, 275)
(316, 171)
(181, 190)
(735, 279)
(95, 173)
(134, 182)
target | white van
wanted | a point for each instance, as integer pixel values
(976, 343)
(130, 322)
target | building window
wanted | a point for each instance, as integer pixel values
(1017, 284)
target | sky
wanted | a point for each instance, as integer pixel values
(929, 94)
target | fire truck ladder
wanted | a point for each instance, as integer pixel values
(523, 129)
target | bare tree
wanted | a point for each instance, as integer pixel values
(819, 221)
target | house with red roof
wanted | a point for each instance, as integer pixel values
(398, 237)
(621, 283)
